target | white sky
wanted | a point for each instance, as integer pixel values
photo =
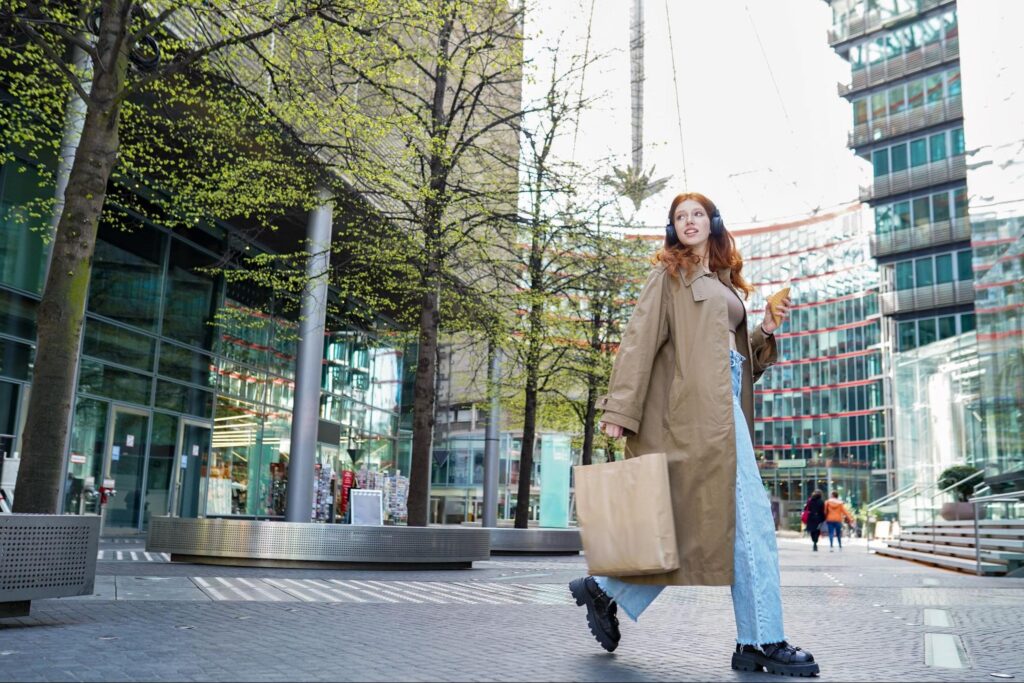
(762, 156)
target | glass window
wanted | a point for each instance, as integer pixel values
(899, 157)
(953, 82)
(190, 297)
(15, 360)
(967, 322)
(931, 30)
(905, 275)
(918, 152)
(878, 106)
(880, 160)
(18, 314)
(964, 267)
(933, 88)
(956, 141)
(947, 326)
(926, 333)
(915, 94)
(943, 268)
(924, 272)
(126, 275)
(22, 226)
(860, 111)
(897, 100)
(883, 219)
(893, 47)
(909, 37)
(104, 380)
(118, 345)
(940, 207)
(187, 366)
(876, 51)
(907, 336)
(88, 434)
(921, 211)
(949, 25)
(857, 57)
(182, 399)
(938, 146)
(901, 219)
(960, 202)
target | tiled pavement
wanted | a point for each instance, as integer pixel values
(865, 617)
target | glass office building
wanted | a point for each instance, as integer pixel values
(187, 409)
(820, 412)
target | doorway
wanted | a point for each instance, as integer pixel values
(127, 433)
(193, 454)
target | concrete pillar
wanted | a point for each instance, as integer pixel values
(309, 364)
(491, 459)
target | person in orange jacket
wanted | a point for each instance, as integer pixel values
(835, 513)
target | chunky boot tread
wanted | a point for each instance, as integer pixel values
(584, 597)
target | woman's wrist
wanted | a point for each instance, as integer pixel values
(766, 332)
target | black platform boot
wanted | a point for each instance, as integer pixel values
(600, 611)
(776, 658)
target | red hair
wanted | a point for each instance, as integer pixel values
(722, 252)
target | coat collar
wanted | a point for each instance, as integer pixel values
(724, 275)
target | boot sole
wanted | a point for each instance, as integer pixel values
(583, 598)
(752, 662)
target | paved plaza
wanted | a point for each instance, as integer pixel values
(865, 617)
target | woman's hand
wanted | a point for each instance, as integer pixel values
(612, 430)
(782, 311)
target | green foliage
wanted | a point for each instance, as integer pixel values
(952, 475)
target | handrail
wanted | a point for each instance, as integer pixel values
(962, 481)
(885, 499)
(994, 498)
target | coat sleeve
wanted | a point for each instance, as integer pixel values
(765, 351)
(646, 332)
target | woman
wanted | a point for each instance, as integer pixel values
(835, 513)
(815, 515)
(683, 384)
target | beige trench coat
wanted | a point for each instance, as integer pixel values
(671, 389)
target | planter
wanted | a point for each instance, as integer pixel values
(46, 556)
(954, 511)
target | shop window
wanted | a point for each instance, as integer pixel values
(965, 269)
(943, 268)
(23, 253)
(926, 333)
(88, 433)
(937, 144)
(918, 152)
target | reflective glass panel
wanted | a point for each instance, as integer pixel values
(22, 227)
(126, 275)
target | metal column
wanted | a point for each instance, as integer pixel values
(491, 459)
(308, 365)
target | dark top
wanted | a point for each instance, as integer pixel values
(816, 509)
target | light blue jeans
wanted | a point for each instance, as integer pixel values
(756, 596)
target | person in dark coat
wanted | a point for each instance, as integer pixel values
(816, 515)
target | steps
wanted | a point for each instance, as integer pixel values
(952, 545)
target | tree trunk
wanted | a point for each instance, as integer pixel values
(526, 452)
(423, 411)
(588, 421)
(62, 309)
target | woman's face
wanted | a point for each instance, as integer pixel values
(693, 224)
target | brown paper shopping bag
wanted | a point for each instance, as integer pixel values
(624, 510)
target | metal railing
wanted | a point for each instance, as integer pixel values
(1012, 497)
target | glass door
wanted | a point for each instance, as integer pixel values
(126, 458)
(193, 454)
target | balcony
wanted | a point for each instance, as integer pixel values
(875, 21)
(931, 114)
(920, 237)
(916, 178)
(924, 298)
(907, 63)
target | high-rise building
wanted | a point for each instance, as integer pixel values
(820, 411)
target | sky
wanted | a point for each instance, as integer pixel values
(763, 128)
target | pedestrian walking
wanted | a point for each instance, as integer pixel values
(835, 513)
(682, 384)
(815, 509)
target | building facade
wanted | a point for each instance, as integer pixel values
(186, 382)
(821, 410)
